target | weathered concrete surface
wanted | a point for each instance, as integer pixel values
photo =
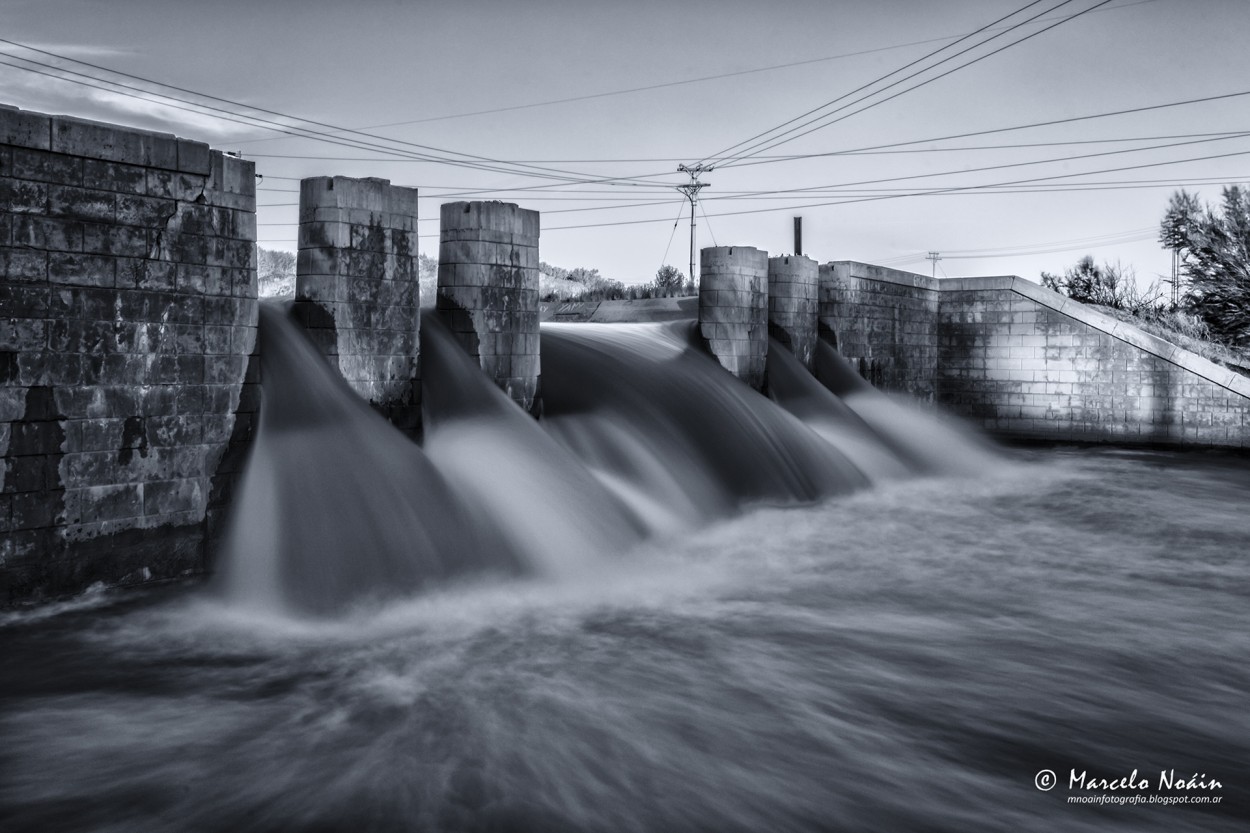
(488, 291)
(733, 309)
(793, 304)
(126, 324)
(357, 291)
(1024, 361)
(883, 321)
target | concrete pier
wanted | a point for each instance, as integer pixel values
(356, 288)
(733, 309)
(793, 304)
(488, 291)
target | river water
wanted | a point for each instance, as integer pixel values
(881, 653)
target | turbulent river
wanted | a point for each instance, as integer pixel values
(906, 655)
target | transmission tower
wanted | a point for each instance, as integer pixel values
(935, 257)
(691, 190)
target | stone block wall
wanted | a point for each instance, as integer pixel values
(1027, 362)
(127, 319)
(793, 304)
(488, 291)
(885, 322)
(357, 291)
(733, 309)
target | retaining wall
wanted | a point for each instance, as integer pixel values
(488, 291)
(1024, 361)
(357, 291)
(127, 318)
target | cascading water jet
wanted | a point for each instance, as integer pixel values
(642, 434)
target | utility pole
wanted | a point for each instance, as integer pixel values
(691, 190)
(1175, 280)
(935, 257)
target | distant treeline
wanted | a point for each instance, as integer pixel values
(581, 284)
(276, 273)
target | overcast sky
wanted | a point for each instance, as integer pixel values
(434, 67)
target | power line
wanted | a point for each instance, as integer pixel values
(1115, 241)
(725, 158)
(708, 223)
(720, 154)
(562, 184)
(991, 131)
(649, 87)
(758, 194)
(778, 140)
(234, 104)
(834, 191)
(975, 190)
(957, 189)
(393, 150)
(999, 167)
(769, 68)
(248, 121)
(779, 158)
(467, 160)
(1131, 235)
(998, 190)
(828, 122)
(953, 190)
(1022, 252)
(672, 234)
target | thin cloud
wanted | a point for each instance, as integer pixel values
(82, 50)
(49, 94)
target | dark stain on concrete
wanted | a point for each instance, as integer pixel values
(134, 438)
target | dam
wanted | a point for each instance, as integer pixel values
(470, 570)
(132, 373)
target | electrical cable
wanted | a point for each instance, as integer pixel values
(779, 158)
(469, 160)
(721, 153)
(708, 223)
(935, 192)
(1003, 166)
(777, 141)
(672, 234)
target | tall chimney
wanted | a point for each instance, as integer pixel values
(798, 235)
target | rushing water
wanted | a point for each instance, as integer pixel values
(905, 655)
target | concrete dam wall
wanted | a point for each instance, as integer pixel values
(128, 332)
(884, 322)
(1015, 358)
(128, 335)
(127, 319)
(1006, 354)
